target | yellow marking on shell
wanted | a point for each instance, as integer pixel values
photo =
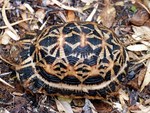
(110, 64)
(61, 40)
(92, 46)
(94, 71)
(71, 70)
(106, 35)
(26, 63)
(99, 31)
(49, 69)
(83, 40)
(73, 46)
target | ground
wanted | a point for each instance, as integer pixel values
(130, 20)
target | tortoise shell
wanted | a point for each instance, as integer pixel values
(77, 59)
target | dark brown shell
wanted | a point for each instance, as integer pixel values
(77, 59)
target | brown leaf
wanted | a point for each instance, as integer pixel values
(40, 14)
(139, 108)
(140, 17)
(63, 105)
(70, 16)
(140, 33)
(101, 106)
(147, 76)
(3, 110)
(108, 14)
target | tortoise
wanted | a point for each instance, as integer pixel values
(75, 59)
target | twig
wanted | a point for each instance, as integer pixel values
(15, 23)
(12, 64)
(6, 20)
(4, 82)
(4, 74)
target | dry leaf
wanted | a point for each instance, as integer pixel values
(47, 2)
(34, 26)
(140, 33)
(67, 107)
(102, 106)
(24, 15)
(25, 26)
(60, 107)
(147, 3)
(31, 10)
(92, 13)
(132, 55)
(119, 3)
(3, 110)
(5, 39)
(118, 106)
(1, 1)
(141, 76)
(147, 76)
(122, 98)
(89, 107)
(147, 101)
(138, 47)
(140, 17)
(63, 106)
(11, 34)
(40, 14)
(7, 35)
(108, 14)
(22, 7)
(88, 2)
(143, 109)
(123, 95)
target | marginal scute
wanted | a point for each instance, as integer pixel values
(108, 75)
(93, 80)
(72, 80)
(48, 41)
(25, 73)
(49, 77)
(77, 59)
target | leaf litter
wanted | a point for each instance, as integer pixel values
(111, 13)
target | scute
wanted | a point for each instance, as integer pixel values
(77, 59)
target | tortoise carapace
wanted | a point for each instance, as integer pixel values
(77, 59)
